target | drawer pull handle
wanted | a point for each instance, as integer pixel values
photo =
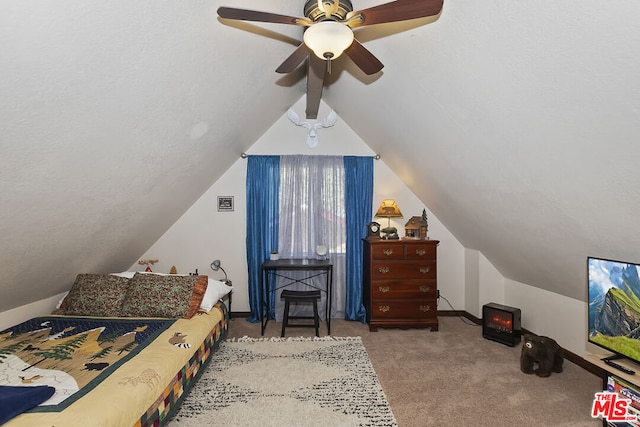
(383, 289)
(384, 308)
(383, 270)
(425, 288)
(425, 308)
(387, 252)
(420, 252)
(424, 270)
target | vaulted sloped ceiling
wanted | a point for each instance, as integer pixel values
(516, 123)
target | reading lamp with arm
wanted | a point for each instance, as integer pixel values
(389, 209)
(215, 266)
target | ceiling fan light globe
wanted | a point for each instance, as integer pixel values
(328, 39)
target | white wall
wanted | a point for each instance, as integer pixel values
(483, 283)
(465, 277)
(545, 313)
(451, 262)
(202, 234)
(491, 283)
(25, 312)
(472, 282)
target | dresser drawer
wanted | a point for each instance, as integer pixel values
(420, 251)
(387, 251)
(403, 309)
(392, 289)
(400, 288)
(403, 270)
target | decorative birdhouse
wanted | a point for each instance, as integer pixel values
(416, 228)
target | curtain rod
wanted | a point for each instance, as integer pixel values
(245, 155)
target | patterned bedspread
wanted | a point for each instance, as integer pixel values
(126, 371)
(72, 354)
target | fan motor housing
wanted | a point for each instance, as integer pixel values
(313, 12)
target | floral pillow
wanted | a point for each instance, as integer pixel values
(171, 296)
(97, 295)
(216, 290)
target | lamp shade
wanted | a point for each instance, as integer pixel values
(328, 39)
(388, 209)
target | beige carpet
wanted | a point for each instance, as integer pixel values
(455, 377)
(312, 382)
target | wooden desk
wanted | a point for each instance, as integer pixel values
(313, 267)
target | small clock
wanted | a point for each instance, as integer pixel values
(373, 230)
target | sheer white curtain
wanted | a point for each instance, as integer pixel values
(312, 213)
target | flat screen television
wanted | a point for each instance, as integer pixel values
(614, 306)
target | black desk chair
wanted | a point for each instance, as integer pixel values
(297, 297)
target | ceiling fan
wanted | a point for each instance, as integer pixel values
(329, 33)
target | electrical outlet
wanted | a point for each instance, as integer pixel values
(438, 293)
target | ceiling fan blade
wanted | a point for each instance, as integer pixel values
(394, 11)
(254, 15)
(291, 63)
(315, 82)
(364, 59)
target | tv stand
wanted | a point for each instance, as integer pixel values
(613, 378)
(600, 360)
(610, 361)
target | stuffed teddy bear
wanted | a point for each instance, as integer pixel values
(541, 350)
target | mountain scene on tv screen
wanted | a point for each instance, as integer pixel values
(614, 306)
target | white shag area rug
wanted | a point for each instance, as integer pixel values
(326, 381)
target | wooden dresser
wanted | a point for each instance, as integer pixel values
(400, 283)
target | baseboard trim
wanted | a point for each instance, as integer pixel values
(568, 355)
(584, 364)
(237, 314)
(459, 313)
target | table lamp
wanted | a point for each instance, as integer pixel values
(389, 209)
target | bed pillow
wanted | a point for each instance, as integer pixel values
(97, 295)
(216, 290)
(171, 296)
(14, 400)
(127, 274)
(61, 300)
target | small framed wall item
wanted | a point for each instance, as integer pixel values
(225, 203)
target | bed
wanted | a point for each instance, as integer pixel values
(122, 350)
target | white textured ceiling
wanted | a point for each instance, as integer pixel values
(517, 122)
